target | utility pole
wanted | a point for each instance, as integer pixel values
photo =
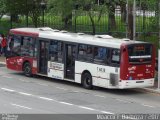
(159, 46)
(127, 19)
(27, 13)
(134, 20)
(159, 20)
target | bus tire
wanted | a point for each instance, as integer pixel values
(27, 69)
(87, 80)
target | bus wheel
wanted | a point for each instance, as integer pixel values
(27, 69)
(87, 80)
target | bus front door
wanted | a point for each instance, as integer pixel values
(43, 56)
(70, 61)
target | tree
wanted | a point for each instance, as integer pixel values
(2, 8)
(24, 7)
(34, 11)
(63, 8)
(66, 7)
(111, 5)
(130, 19)
(122, 4)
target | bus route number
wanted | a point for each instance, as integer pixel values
(101, 69)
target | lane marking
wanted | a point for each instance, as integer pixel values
(86, 108)
(6, 89)
(148, 106)
(124, 101)
(66, 103)
(61, 88)
(49, 99)
(42, 84)
(23, 80)
(45, 98)
(76, 91)
(106, 112)
(23, 93)
(21, 106)
(5, 76)
(99, 96)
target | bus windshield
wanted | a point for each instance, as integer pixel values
(140, 54)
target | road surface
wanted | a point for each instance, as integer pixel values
(41, 95)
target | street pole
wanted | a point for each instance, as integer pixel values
(158, 69)
(159, 49)
(27, 13)
(127, 19)
(159, 21)
(11, 22)
(75, 22)
(43, 6)
(134, 20)
(98, 2)
(43, 17)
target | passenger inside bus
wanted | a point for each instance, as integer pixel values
(100, 55)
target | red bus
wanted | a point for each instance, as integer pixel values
(91, 60)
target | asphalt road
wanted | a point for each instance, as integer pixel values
(41, 95)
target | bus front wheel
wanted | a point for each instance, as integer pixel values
(87, 80)
(27, 69)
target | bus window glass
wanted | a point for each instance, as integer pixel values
(115, 56)
(85, 52)
(55, 51)
(139, 53)
(27, 46)
(100, 55)
(16, 45)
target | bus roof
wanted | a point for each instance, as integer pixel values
(48, 33)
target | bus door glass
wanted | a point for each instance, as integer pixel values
(55, 62)
(70, 61)
(43, 56)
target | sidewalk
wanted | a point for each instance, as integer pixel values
(149, 90)
(153, 89)
(2, 60)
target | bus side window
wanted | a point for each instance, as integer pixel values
(100, 55)
(82, 52)
(27, 46)
(16, 48)
(115, 56)
(85, 53)
(55, 51)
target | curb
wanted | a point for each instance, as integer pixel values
(3, 63)
(148, 90)
(156, 91)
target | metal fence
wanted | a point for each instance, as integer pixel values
(147, 26)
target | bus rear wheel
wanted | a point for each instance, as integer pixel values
(27, 69)
(87, 81)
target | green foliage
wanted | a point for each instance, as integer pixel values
(2, 8)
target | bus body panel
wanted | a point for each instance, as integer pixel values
(124, 84)
(139, 71)
(55, 70)
(136, 75)
(32, 32)
(101, 75)
(16, 63)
